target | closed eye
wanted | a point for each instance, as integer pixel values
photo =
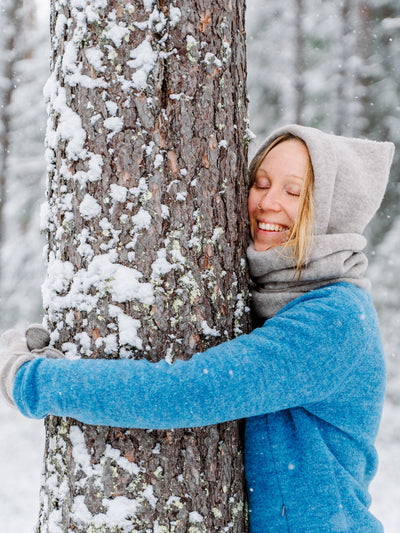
(262, 183)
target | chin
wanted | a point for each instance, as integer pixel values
(262, 247)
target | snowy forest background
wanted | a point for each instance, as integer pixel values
(333, 65)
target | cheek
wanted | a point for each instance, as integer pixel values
(292, 210)
(251, 204)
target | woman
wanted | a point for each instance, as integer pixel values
(309, 381)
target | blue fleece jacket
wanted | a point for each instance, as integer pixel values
(310, 383)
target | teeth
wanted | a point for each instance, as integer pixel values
(271, 227)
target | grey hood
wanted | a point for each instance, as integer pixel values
(350, 178)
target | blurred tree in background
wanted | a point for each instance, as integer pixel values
(24, 67)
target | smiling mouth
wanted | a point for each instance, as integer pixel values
(271, 227)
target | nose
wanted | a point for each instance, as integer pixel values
(270, 201)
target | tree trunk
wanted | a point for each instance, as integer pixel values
(147, 230)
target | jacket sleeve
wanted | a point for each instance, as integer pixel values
(300, 356)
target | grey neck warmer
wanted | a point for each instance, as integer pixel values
(350, 177)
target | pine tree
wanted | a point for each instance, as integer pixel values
(380, 76)
(23, 166)
(272, 64)
(147, 227)
(10, 25)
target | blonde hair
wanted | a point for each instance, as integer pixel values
(301, 233)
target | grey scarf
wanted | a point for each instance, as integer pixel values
(274, 283)
(350, 177)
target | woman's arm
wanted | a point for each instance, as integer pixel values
(300, 356)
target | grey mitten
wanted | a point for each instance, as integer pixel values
(38, 340)
(15, 355)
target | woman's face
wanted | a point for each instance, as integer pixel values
(274, 197)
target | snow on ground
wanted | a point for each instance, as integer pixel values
(385, 488)
(21, 450)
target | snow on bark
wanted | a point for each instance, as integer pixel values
(146, 222)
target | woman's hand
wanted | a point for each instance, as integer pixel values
(20, 349)
(16, 353)
(38, 342)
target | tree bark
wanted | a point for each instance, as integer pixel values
(147, 191)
